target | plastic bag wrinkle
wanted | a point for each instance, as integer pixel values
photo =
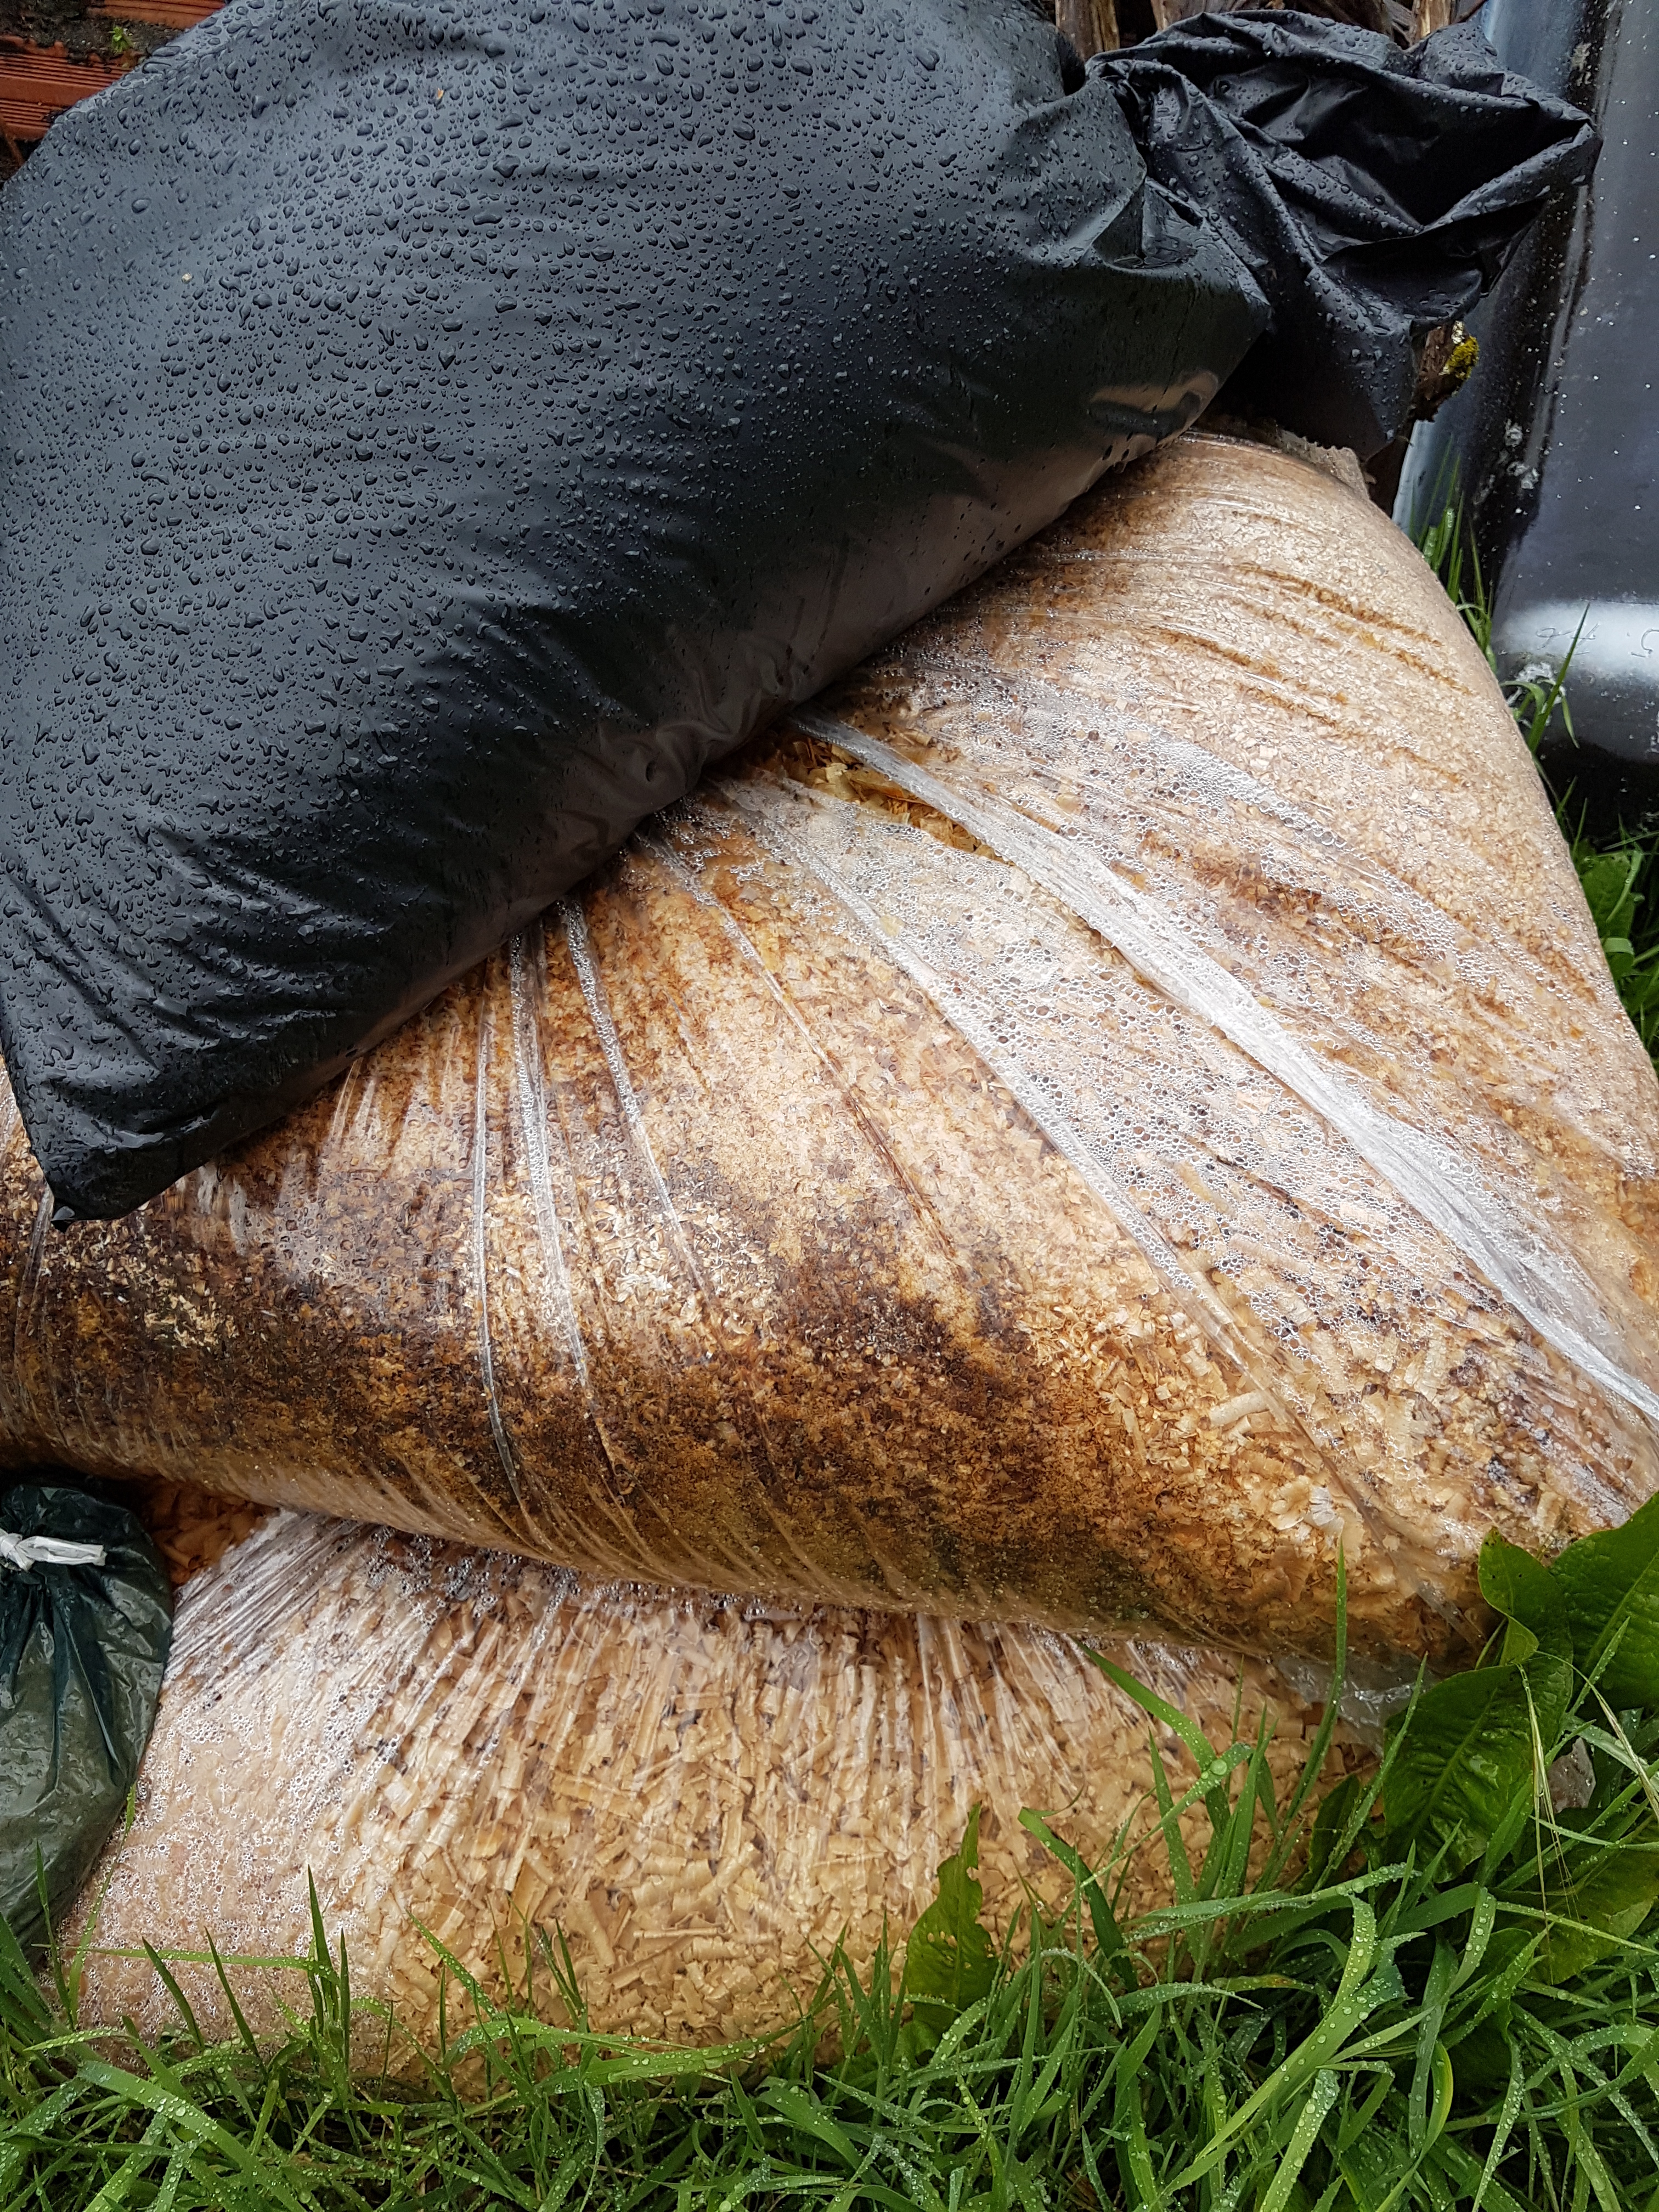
(531, 1132)
(1513, 1254)
(921, 1251)
(912, 908)
(1355, 184)
(703, 1794)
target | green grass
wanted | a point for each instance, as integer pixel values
(1621, 881)
(1620, 874)
(1430, 1990)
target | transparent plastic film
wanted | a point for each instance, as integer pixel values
(1517, 1255)
(703, 1794)
(1117, 1106)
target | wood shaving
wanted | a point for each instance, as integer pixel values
(703, 1793)
(1118, 1104)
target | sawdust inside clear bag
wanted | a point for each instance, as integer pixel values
(703, 1794)
(1118, 1104)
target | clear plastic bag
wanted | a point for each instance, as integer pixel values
(1118, 1103)
(703, 1794)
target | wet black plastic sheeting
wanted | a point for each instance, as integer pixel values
(1554, 445)
(83, 1649)
(1372, 194)
(491, 415)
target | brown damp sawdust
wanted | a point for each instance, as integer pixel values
(779, 1289)
(192, 1528)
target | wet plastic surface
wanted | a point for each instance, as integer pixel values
(1555, 444)
(82, 1646)
(1372, 194)
(703, 1794)
(1124, 1101)
(491, 421)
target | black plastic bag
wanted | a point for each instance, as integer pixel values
(1554, 446)
(83, 1641)
(485, 416)
(1372, 194)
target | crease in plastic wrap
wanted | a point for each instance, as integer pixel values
(1118, 1105)
(703, 1794)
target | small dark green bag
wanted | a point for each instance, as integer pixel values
(85, 1618)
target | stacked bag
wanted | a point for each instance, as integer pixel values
(1113, 1107)
(703, 1793)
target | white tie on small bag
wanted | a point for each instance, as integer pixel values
(26, 1552)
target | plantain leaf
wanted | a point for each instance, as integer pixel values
(949, 1962)
(1609, 886)
(1465, 1764)
(1608, 1905)
(1529, 1596)
(1465, 1758)
(1609, 1584)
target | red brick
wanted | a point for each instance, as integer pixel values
(39, 82)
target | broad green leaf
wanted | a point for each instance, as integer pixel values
(1465, 1758)
(1525, 1592)
(949, 1961)
(1609, 1583)
(1614, 1897)
(1609, 883)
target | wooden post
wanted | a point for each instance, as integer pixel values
(1091, 25)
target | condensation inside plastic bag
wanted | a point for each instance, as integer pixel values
(1118, 1104)
(703, 1794)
